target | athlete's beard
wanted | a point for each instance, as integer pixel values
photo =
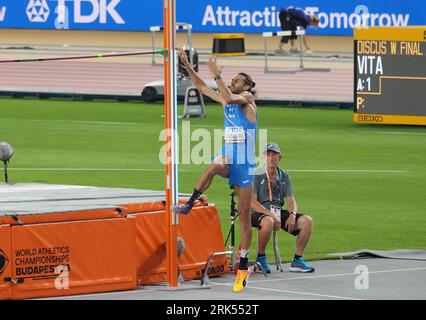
(234, 90)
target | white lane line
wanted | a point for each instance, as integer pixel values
(290, 129)
(100, 122)
(204, 126)
(81, 169)
(315, 277)
(121, 123)
(253, 281)
(184, 170)
(305, 293)
(346, 171)
(335, 275)
(87, 122)
(293, 292)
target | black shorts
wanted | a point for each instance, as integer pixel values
(286, 25)
(256, 217)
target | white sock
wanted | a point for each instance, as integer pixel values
(244, 253)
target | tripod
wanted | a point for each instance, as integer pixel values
(233, 216)
(6, 179)
(233, 251)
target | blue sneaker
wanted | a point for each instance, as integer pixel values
(183, 208)
(187, 206)
(300, 265)
(264, 263)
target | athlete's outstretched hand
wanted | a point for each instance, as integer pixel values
(215, 70)
(183, 57)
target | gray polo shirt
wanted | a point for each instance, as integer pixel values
(280, 189)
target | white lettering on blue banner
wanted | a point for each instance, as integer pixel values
(208, 16)
(98, 9)
(269, 17)
(2, 13)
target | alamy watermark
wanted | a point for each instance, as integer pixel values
(362, 14)
(362, 281)
(200, 146)
(62, 280)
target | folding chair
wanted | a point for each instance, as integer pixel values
(275, 246)
(234, 215)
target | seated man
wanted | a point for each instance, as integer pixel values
(291, 19)
(271, 187)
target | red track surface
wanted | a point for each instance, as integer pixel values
(129, 78)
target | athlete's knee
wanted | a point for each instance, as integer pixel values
(214, 169)
(244, 209)
(244, 216)
(221, 160)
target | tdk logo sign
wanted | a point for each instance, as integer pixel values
(76, 11)
(38, 11)
(88, 11)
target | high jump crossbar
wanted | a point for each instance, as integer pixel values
(99, 55)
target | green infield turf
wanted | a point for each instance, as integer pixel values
(364, 185)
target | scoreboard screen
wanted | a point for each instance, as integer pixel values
(390, 75)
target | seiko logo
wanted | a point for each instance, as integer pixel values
(38, 11)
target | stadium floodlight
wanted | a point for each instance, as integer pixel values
(6, 152)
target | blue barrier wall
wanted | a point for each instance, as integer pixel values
(337, 17)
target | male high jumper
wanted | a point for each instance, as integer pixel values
(236, 161)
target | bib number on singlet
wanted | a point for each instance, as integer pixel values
(235, 135)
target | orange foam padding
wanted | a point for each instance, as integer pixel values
(5, 263)
(154, 206)
(91, 214)
(98, 253)
(202, 234)
(143, 207)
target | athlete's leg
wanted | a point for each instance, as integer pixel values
(218, 167)
(244, 201)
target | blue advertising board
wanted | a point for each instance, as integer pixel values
(337, 17)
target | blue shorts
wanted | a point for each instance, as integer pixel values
(240, 170)
(239, 175)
